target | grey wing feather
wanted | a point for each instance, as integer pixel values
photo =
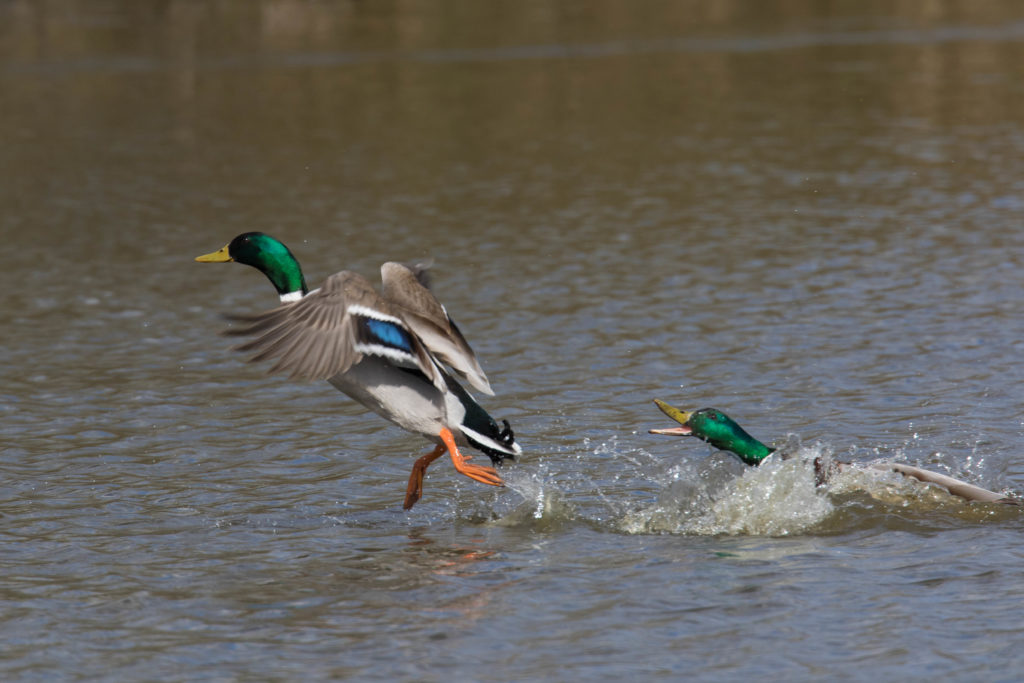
(421, 269)
(954, 486)
(423, 313)
(311, 338)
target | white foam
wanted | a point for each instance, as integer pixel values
(777, 498)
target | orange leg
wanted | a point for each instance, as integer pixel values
(415, 488)
(484, 475)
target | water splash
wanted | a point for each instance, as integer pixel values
(622, 489)
(778, 498)
(543, 506)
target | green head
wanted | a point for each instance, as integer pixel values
(718, 429)
(267, 255)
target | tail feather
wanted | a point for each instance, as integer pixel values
(499, 444)
(480, 429)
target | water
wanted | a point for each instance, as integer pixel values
(805, 215)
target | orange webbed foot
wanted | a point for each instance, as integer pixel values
(484, 475)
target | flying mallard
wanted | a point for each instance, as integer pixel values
(722, 432)
(386, 350)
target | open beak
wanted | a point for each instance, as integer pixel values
(219, 256)
(678, 415)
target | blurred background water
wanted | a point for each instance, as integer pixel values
(804, 213)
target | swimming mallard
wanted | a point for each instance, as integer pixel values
(722, 432)
(385, 350)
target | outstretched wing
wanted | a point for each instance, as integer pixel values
(331, 329)
(405, 288)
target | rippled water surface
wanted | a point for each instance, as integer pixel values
(805, 214)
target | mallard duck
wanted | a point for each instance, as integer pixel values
(386, 350)
(722, 432)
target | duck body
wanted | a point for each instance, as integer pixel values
(379, 386)
(425, 410)
(395, 352)
(724, 433)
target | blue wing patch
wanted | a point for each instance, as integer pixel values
(388, 334)
(384, 337)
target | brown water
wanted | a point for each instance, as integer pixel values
(806, 214)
